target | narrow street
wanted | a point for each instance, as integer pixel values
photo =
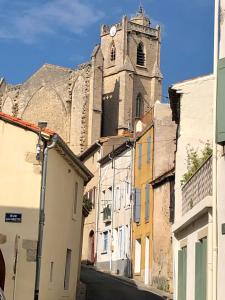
(101, 286)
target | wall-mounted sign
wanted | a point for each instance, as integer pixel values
(13, 217)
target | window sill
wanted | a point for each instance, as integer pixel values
(141, 67)
(104, 252)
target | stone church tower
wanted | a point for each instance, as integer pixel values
(99, 98)
(132, 78)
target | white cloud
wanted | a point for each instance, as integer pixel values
(28, 22)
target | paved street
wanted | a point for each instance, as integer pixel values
(101, 286)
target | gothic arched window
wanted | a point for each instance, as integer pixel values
(113, 53)
(139, 106)
(140, 54)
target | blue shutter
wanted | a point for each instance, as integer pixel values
(139, 155)
(137, 206)
(147, 201)
(148, 149)
(220, 126)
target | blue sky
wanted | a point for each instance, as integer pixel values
(64, 32)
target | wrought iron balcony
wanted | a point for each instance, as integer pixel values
(198, 186)
(107, 213)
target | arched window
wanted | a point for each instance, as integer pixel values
(139, 106)
(140, 54)
(113, 53)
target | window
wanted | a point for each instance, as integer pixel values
(105, 241)
(147, 202)
(148, 149)
(75, 198)
(121, 242)
(67, 269)
(51, 271)
(113, 53)
(140, 54)
(139, 106)
(139, 155)
(137, 263)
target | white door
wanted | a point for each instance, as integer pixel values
(146, 260)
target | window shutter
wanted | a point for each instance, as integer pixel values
(137, 206)
(148, 148)
(139, 155)
(220, 130)
(147, 202)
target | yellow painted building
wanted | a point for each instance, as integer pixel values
(22, 180)
(143, 207)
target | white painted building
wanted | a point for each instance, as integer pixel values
(192, 105)
(219, 171)
(114, 227)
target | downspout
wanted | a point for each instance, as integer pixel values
(214, 210)
(98, 203)
(131, 210)
(112, 213)
(42, 216)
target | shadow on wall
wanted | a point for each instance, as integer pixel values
(110, 114)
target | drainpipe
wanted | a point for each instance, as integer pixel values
(131, 210)
(215, 149)
(112, 213)
(98, 203)
(42, 216)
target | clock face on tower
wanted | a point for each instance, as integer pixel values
(112, 31)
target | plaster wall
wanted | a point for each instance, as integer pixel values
(196, 125)
(91, 221)
(164, 139)
(162, 267)
(121, 215)
(62, 229)
(220, 179)
(19, 193)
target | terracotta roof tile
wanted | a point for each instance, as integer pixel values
(24, 124)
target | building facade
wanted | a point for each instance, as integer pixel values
(90, 158)
(50, 269)
(142, 237)
(114, 222)
(192, 106)
(153, 198)
(219, 175)
(164, 146)
(99, 98)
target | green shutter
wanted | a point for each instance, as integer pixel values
(204, 268)
(220, 114)
(182, 273)
(201, 269)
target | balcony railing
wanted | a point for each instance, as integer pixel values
(198, 186)
(107, 213)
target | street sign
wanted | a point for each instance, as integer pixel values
(13, 217)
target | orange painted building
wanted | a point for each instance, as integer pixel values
(143, 206)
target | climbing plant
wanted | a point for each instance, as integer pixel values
(195, 160)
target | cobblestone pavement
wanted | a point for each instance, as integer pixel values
(102, 286)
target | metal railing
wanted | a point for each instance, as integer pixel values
(107, 213)
(198, 186)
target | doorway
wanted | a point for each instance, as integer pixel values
(91, 248)
(147, 260)
(2, 271)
